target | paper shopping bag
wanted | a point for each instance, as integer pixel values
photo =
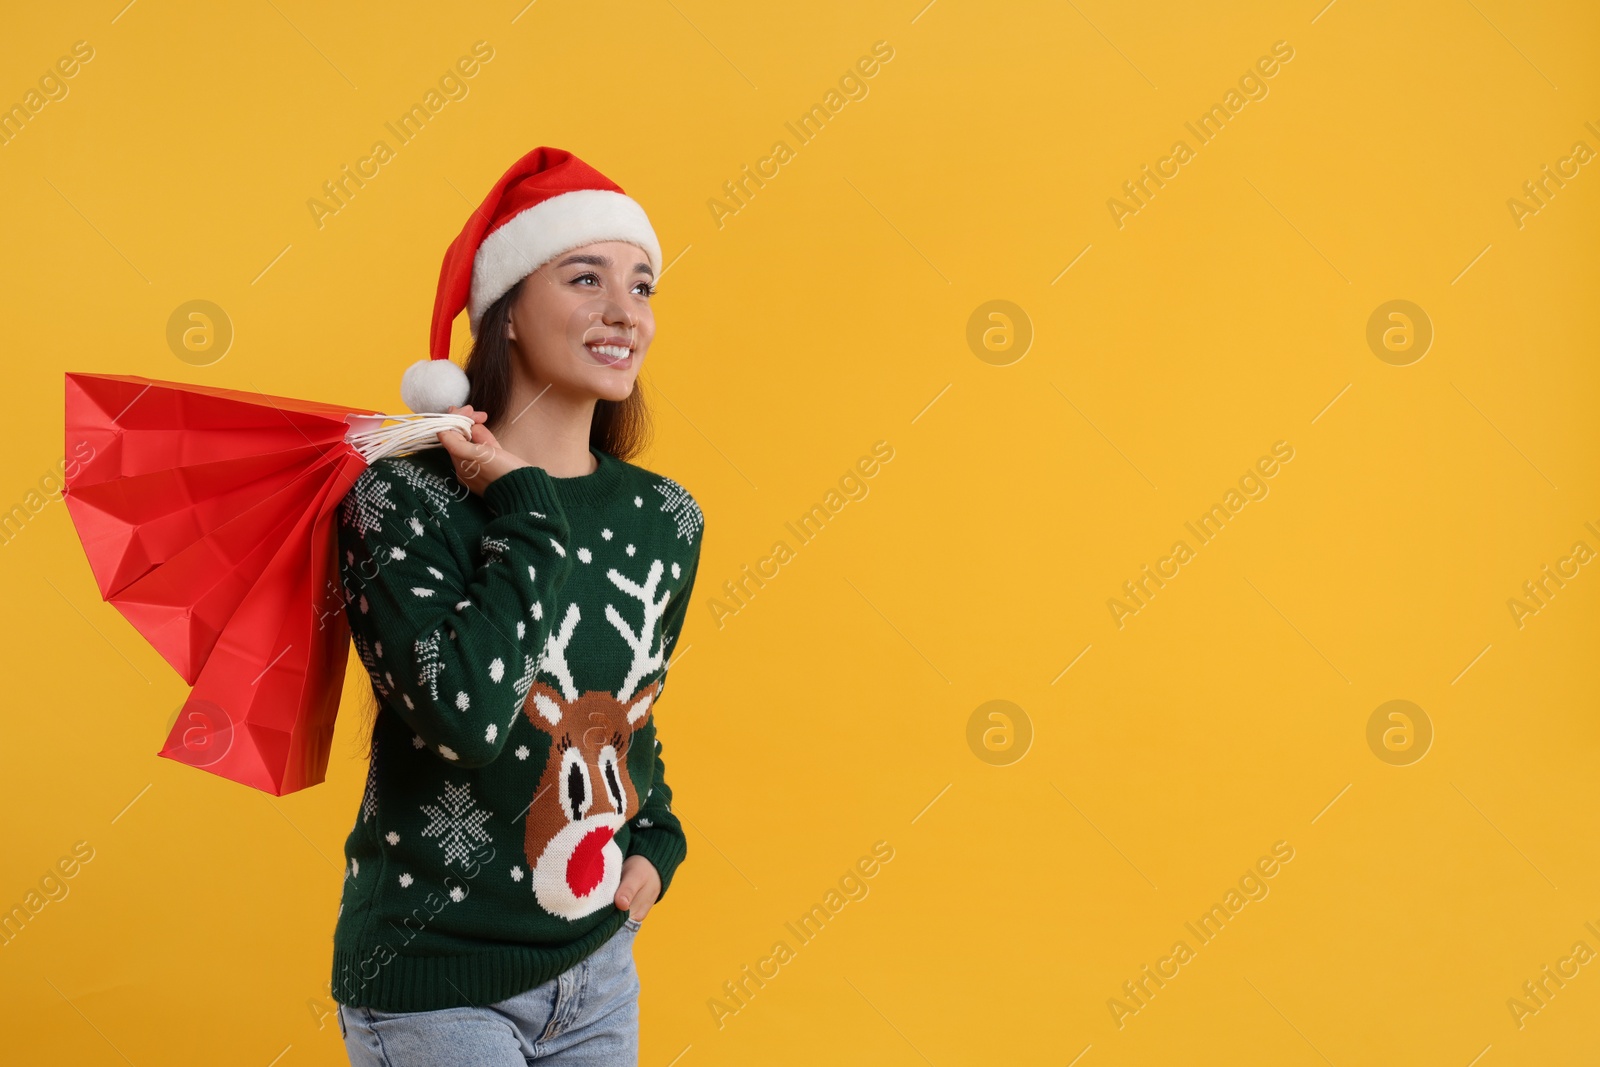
(208, 518)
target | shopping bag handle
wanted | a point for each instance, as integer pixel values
(411, 433)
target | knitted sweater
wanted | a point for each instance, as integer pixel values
(517, 642)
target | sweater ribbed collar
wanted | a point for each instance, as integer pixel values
(594, 489)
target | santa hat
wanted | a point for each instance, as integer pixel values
(548, 202)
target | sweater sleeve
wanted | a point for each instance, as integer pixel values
(451, 651)
(656, 833)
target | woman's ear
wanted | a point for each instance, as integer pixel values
(511, 328)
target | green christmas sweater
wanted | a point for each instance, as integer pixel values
(517, 643)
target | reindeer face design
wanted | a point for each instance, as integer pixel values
(585, 794)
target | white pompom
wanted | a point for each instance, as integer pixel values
(434, 385)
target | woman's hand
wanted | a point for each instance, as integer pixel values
(480, 459)
(639, 888)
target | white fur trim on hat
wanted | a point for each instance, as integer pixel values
(535, 236)
(434, 385)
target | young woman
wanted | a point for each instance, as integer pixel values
(515, 596)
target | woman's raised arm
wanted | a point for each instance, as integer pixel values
(452, 653)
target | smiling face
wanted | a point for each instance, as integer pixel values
(582, 322)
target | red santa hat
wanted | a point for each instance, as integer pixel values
(548, 202)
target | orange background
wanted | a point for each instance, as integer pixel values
(1136, 773)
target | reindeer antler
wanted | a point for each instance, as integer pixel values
(553, 661)
(644, 661)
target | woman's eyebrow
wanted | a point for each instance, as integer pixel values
(602, 261)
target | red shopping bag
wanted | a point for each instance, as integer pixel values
(208, 519)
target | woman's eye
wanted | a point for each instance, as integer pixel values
(642, 288)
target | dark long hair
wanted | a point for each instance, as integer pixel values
(621, 428)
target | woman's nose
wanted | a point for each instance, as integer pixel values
(617, 315)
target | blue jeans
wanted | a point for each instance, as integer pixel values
(587, 1016)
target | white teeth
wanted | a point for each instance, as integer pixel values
(612, 351)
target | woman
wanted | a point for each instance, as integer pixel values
(515, 595)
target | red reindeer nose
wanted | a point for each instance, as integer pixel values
(588, 863)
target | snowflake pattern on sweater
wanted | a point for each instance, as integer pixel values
(429, 663)
(369, 796)
(494, 548)
(682, 507)
(434, 490)
(457, 821)
(364, 506)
